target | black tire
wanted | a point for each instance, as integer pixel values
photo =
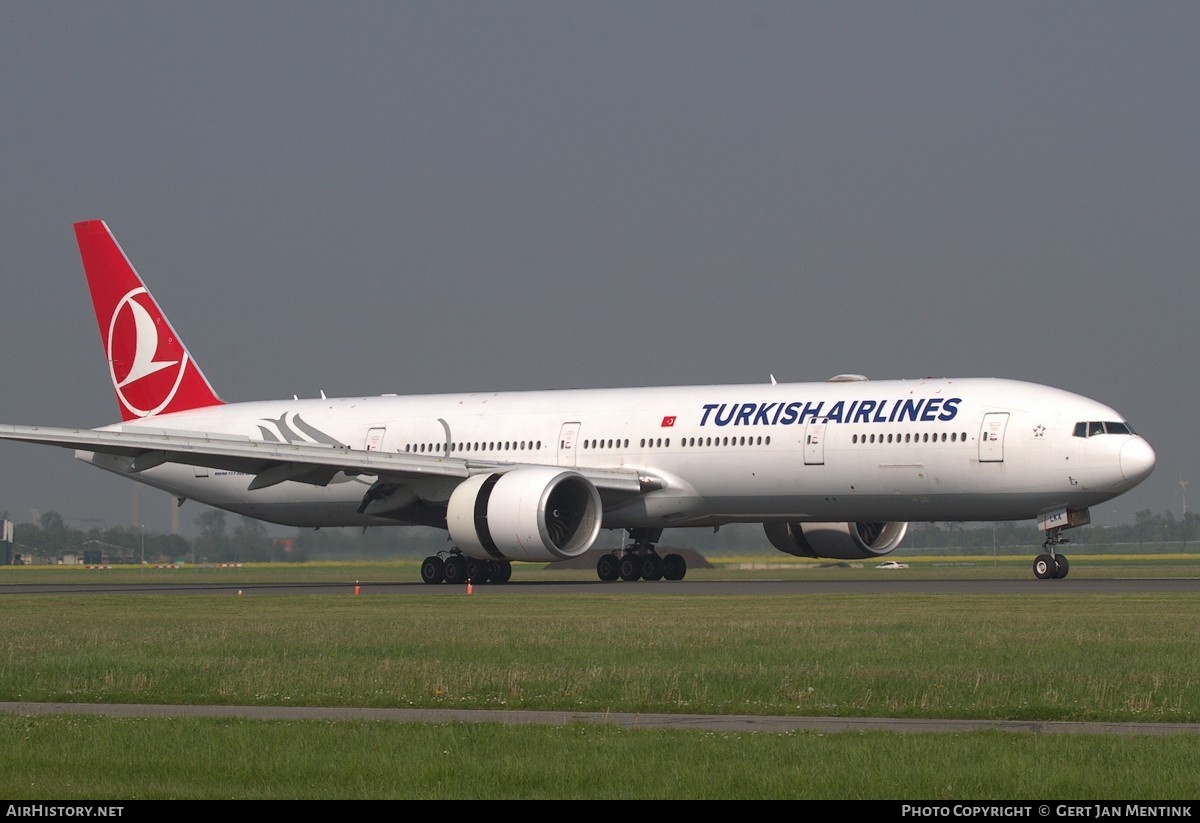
(652, 567)
(608, 568)
(477, 570)
(630, 568)
(455, 569)
(674, 567)
(1061, 566)
(499, 571)
(432, 569)
(1044, 567)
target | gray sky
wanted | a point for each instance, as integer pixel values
(438, 196)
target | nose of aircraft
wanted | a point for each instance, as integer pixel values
(1137, 460)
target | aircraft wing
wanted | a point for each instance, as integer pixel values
(271, 462)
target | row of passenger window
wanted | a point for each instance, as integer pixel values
(706, 442)
(597, 443)
(608, 444)
(1083, 429)
(684, 442)
(506, 445)
(910, 437)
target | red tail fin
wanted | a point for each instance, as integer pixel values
(152, 372)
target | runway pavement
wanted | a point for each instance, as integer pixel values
(774, 724)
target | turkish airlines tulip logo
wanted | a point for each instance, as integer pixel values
(146, 366)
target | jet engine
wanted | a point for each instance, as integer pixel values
(539, 513)
(841, 541)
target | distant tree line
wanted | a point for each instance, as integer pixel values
(50, 540)
(1148, 529)
(248, 541)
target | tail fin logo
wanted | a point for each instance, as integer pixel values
(150, 369)
(146, 369)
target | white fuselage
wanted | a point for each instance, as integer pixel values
(912, 450)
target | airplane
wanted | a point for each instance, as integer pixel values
(834, 469)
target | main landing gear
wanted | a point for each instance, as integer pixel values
(1050, 565)
(639, 560)
(455, 567)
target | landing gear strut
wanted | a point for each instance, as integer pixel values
(640, 561)
(1051, 565)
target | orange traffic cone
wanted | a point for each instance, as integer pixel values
(356, 588)
(469, 587)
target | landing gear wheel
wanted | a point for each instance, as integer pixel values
(630, 568)
(608, 568)
(477, 570)
(1061, 566)
(1044, 567)
(432, 569)
(1052, 565)
(652, 567)
(674, 567)
(499, 571)
(455, 569)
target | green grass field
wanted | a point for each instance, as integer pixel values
(1049, 657)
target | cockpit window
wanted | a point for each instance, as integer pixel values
(1093, 428)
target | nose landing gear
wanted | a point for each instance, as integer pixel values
(1050, 565)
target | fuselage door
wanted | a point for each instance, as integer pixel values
(567, 440)
(375, 439)
(991, 437)
(814, 443)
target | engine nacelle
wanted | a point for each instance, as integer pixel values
(539, 513)
(841, 541)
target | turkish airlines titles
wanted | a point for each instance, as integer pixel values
(923, 410)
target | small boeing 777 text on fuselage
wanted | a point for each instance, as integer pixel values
(833, 469)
